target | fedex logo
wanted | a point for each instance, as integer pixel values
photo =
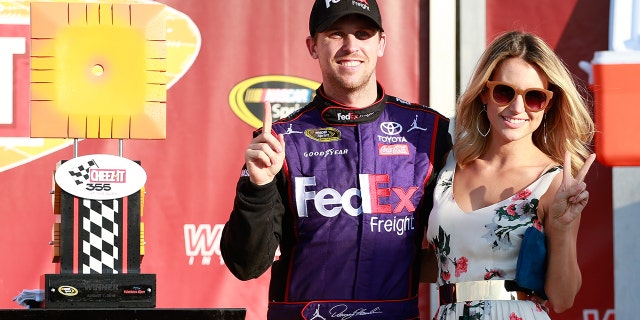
(347, 117)
(352, 116)
(370, 199)
(329, 2)
(355, 2)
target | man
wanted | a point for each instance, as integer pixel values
(345, 205)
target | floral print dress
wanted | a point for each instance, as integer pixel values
(483, 245)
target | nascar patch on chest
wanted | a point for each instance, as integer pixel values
(323, 134)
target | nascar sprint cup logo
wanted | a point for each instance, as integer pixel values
(285, 93)
(100, 177)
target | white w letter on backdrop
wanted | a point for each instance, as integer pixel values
(202, 240)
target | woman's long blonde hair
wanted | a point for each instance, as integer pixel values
(567, 124)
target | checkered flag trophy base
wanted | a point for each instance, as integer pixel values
(100, 268)
(98, 242)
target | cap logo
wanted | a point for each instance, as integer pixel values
(359, 3)
(364, 4)
(329, 2)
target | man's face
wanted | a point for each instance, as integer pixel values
(348, 52)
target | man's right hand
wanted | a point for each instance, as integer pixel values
(265, 155)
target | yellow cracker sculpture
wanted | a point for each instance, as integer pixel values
(98, 70)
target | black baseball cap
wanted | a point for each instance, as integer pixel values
(325, 12)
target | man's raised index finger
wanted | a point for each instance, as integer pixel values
(266, 126)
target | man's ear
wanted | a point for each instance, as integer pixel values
(382, 44)
(311, 46)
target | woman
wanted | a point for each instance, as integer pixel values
(519, 160)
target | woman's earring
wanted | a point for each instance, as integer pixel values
(485, 134)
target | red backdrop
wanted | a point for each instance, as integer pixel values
(192, 174)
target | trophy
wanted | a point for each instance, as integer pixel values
(98, 71)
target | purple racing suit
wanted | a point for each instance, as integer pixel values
(347, 210)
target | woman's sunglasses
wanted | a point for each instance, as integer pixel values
(535, 99)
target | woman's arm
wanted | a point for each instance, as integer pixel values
(565, 200)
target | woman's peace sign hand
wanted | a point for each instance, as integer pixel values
(572, 196)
